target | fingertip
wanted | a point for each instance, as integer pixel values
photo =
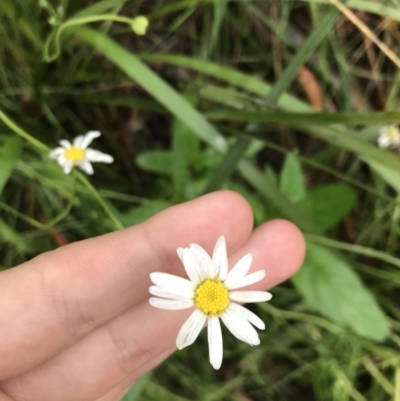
(290, 240)
(278, 247)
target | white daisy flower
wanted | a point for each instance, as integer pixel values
(389, 137)
(211, 290)
(78, 154)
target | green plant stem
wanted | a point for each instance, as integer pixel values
(23, 134)
(316, 239)
(56, 35)
(93, 191)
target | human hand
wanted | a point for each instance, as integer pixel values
(76, 324)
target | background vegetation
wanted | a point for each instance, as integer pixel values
(280, 101)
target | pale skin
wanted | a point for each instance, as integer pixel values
(76, 324)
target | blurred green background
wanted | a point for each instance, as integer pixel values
(280, 101)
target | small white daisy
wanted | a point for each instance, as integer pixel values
(389, 137)
(78, 154)
(211, 291)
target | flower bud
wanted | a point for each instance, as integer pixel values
(139, 25)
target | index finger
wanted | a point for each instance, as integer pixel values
(62, 295)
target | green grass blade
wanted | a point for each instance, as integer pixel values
(99, 8)
(345, 140)
(9, 155)
(368, 6)
(228, 165)
(150, 81)
(302, 55)
(226, 74)
(350, 118)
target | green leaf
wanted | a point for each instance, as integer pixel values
(9, 155)
(291, 182)
(328, 204)
(144, 212)
(329, 285)
(156, 161)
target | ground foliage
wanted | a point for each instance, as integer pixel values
(280, 101)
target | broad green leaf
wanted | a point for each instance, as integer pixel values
(329, 285)
(156, 161)
(144, 212)
(291, 180)
(9, 155)
(271, 176)
(328, 204)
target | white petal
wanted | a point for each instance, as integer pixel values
(240, 328)
(215, 342)
(179, 251)
(383, 141)
(55, 153)
(239, 270)
(88, 138)
(175, 284)
(248, 280)
(247, 314)
(191, 266)
(161, 292)
(220, 257)
(65, 144)
(201, 266)
(67, 166)
(170, 304)
(78, 141)
(97, 156)
(61, 160)
(249, 296)
(86, 166)
(206, 261)
(190, 329)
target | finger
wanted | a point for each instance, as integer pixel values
(62, 295)
(110, 353)
(126, 384)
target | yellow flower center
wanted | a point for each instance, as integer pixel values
(211, 297)
(393, 133)
(75, 154)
